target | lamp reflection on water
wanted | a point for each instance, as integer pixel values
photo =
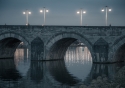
(78, 60)
(78, 54)
(19, 55)
(21, 59)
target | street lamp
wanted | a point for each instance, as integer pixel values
(44, 11)
(27, 12)
(81, 12)
(106, 10)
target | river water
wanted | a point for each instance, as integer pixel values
(76, 69)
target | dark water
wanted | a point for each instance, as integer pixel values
(75, 69)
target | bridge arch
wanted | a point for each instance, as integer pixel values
(57, 45)
(14, 35)
(117, 50)
(9, 42)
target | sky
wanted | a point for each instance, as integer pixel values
(62, 12)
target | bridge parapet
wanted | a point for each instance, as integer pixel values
(88, 31)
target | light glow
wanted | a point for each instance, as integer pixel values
(110, 9)
(47, 10)
(103, 10)
(29, 12)
(24, 13)
(78, 12)
(84, 11)
(41, 11)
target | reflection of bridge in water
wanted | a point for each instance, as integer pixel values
(56, 74)
(53, 73)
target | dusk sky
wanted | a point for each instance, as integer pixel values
(62, 12)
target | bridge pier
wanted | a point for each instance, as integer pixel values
(100, 49)
(37, 49)
(101, 58)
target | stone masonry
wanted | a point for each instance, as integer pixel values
(51, 42)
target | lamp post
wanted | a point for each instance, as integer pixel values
(27, 12)
(81, 12)
(106, 10)
(44, 11)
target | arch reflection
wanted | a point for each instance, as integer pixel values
(36, 71)
(22, 73)
(8, 70)
(60, 73)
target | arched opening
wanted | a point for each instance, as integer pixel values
(8, 47)
(120, 54)
(78, 60)
(13, 48)
(58, 49)
(74, 50)
(117, 50)
(75, 54)
(12, 55)
(58, 44)
(78, 52)
(37, 49)
(61, 48)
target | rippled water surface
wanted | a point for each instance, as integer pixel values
(74, 70)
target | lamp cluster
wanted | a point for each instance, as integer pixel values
(27, 12)
(44, 10)
(83, 12)
(106, 10)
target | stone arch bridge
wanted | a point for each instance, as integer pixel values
(106, 43)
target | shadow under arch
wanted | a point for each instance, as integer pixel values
(117, 50)
(9, 42)
(58, 44)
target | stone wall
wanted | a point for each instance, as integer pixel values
(113, 36)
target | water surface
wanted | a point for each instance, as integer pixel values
(75, 69)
